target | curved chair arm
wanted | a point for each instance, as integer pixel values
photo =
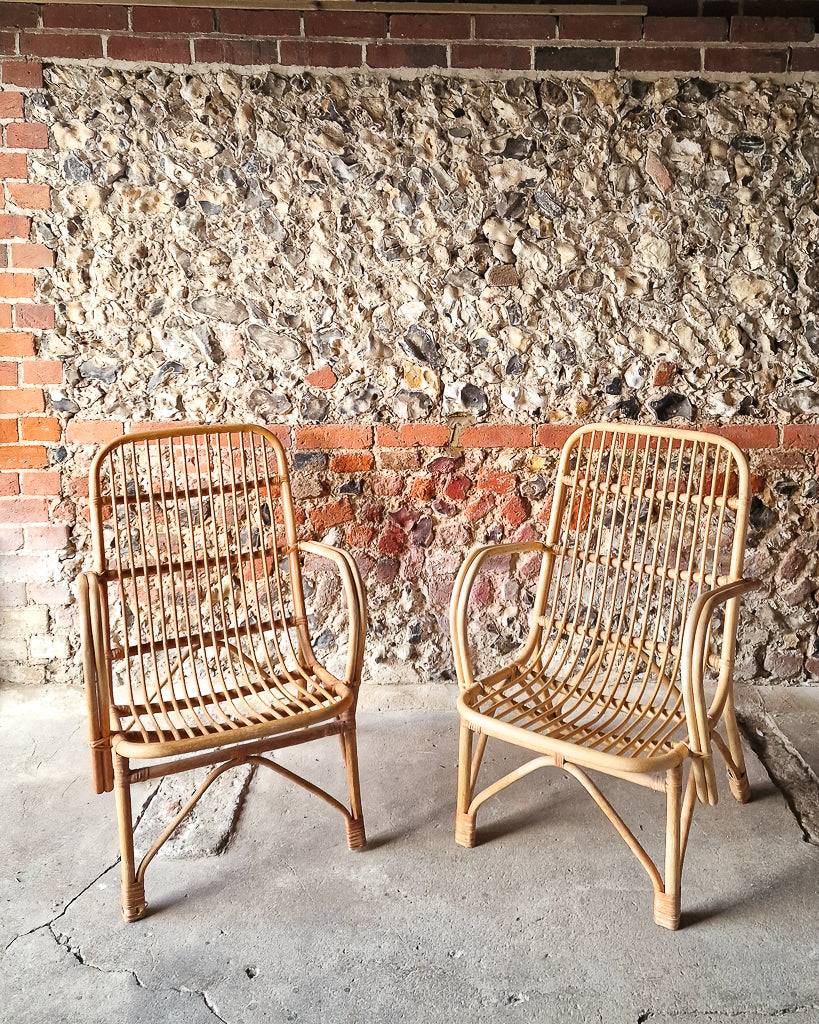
(356, 604)
(459, 604)
(693, 665)
(96, 681)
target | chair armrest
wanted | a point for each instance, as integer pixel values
(693, 665)
(356, 604)
(95, 673)
(459, 603)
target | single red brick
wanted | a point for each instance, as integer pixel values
(78, 487)
(388, 485)
(772, 30)
(800, 435)
(4, 260)
(236, 51)
(17, 345)
(34, 257)
(334, 437)
(27, 135)
(30, 456)
(85, 16)
(259, 23)
(14, 226)
(685, 30)
(11, 103)
(495, 436)
(312, 53)
(515, 26)
(93, 431)
(30, 197)
(359, 536)
(804, 58)
(659, 58)
(40, 428)
(392, 540)
(149, 49)
(17, 286)
(664, 373)
(46, 538)
(9, 434)
(9, 484)
(749, 435)
(18, 401)
(66, 512)
(405, 436)
(172, 20)
(345, 24)
(8, 374)
(321, 378)
(497, 481)
(515, 511)
(590, 26)
(334, 514)
(35, 317)
(430, 26)
(423, 488)
(482, 55)
(18, 15)
(352, 462)
(457, 488)
(5, 315)
(735, 59)
(60, 44)
(25, 73)
(550, 435)
(46, 482)
(11, 539)
(8, 43)
(14, 165)
(406, 55)
(479, 508)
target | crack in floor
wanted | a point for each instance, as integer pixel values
(648, 1015)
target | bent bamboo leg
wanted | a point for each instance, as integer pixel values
(133, 891)
(737, 775)
(667, 900)
(356, 838)
(468, 768)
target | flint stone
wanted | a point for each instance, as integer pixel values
(75, 170)
(358, 402)
(274, 344)
(217, 307)
(314, 409)
(309, 460)
(94, 371)
(671, 406)
(412, 405)
(267, 405)
(61, 403)
(547, 205)
(162, 373)
(749, 145)
(420, 345)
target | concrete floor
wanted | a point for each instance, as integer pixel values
(549, 919)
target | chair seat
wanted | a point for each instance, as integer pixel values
(592, 727)
(192, 720)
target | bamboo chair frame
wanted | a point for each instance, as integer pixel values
(195, 608)
(645, 542)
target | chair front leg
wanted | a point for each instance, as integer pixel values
(464, 821)
(667, 901)
(356, 837)
(133, 891)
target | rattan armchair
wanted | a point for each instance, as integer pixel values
(196, 637)
(635, 610)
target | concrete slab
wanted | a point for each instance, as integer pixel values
(547, 920)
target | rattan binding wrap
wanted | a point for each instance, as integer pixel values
(645, 542)
(196, 642)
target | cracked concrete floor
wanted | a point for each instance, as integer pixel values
(548, 920)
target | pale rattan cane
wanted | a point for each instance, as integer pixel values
(196, 640)
(645, 542)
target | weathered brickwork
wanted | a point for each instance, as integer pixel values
(420, 284)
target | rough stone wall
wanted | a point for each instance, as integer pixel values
(398, 262)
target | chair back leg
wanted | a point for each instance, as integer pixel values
(667, 900)
(133, 891)
(356, 837)
(464, 821)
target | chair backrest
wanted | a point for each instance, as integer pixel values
(643, 521)
(194, 541)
